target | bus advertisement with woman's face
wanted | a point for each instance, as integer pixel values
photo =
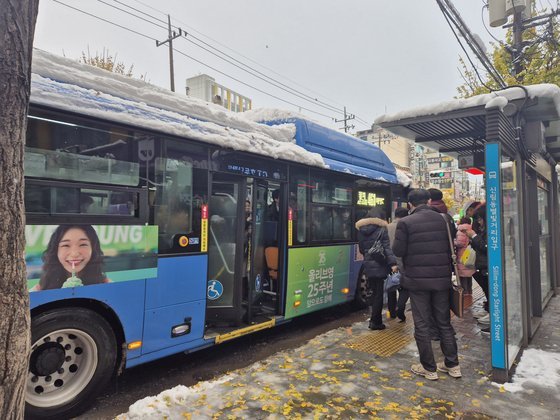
(60, 256)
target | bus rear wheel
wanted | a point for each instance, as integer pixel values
(73, 356)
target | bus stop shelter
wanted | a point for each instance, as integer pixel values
(513, 137)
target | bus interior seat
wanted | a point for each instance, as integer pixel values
(271, 256)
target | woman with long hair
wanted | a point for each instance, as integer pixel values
(73, 253)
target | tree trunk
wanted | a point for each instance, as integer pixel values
(17, 26)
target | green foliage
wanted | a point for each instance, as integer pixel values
(108, 62)
(540, 61)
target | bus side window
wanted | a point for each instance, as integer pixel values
(180, 194)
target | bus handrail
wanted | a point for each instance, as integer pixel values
(226, 266)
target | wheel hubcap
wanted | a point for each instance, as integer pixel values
(62, 363)
(47, 359)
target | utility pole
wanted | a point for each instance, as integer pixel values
(518, 26)
(346, 119)
(170, 37)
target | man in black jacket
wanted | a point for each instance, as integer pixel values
(422, 241)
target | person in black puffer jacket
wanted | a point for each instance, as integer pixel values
(376, 268)
(422, 241)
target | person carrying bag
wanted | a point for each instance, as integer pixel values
(373, 242)
(456, 293)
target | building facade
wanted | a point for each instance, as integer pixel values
(205, 87)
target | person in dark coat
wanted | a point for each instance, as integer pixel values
(437, 203)
(397, 307)
(376, 269)
(422, 241)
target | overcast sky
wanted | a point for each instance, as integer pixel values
(372, 56)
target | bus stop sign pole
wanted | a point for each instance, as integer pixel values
(496, 285)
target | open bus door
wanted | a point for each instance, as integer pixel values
(262, 272)
(225, 251)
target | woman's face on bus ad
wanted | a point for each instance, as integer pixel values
(74, 249)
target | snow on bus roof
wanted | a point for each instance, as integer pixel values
(65, 84)
(544, 90)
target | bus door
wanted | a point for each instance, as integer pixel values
(225, 251)
(262, 272)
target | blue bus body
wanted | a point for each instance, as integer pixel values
(173, 312)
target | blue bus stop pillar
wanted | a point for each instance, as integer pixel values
(496, 284)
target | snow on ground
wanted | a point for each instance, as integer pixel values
(536, 368)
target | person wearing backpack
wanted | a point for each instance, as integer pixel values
(379, 260)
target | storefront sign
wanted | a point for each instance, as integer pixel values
(498, 322)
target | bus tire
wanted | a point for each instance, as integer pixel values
(73, 356)
(363, 293)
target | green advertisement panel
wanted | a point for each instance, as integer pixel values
(317, 278)
(59, 256)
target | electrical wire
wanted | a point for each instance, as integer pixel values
(447, 19)
(487, 30)
(274, 82)
(315, 100)
(296, 93)
(105, 20)
(196, 60)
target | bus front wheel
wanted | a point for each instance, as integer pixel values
(73, 356)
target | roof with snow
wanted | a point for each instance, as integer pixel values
(458, 127)
(67, 85)
(340, 151)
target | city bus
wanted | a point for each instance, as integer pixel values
(160, 224)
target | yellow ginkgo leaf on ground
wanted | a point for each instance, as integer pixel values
(502, 389)
(475, 402)
(419, 383)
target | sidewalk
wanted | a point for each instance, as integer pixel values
(357, 373)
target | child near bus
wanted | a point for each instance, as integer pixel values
(73, 258)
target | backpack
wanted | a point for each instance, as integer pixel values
(377, 251)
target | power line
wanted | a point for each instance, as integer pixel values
(238, 53)
(105, 20)
(276, 83)
(310, 98)
(452, 15)
(196, 60)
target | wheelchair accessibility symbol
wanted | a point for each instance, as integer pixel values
(215, 289)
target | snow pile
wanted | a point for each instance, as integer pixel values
(544, 90)
(171, 400)
(272, 114)
(403, 178)
(537, 368)
(68, 85)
